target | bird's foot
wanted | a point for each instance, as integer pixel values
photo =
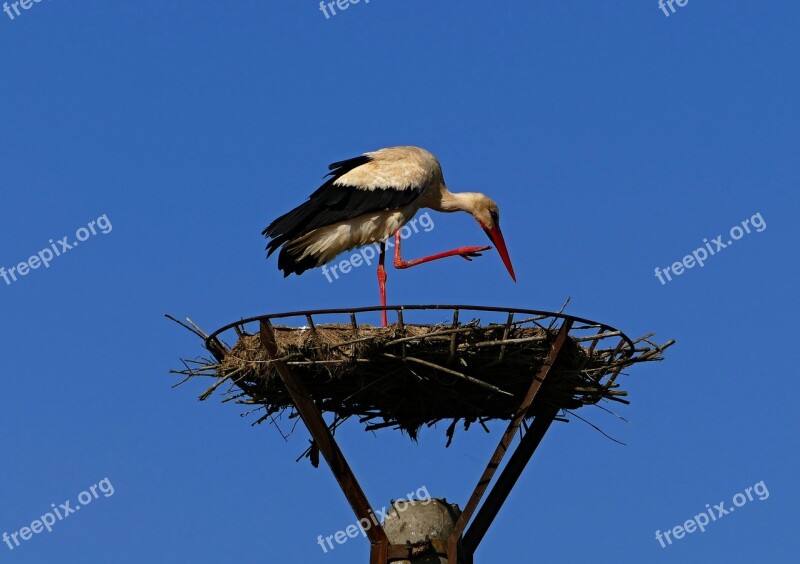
(469, 253)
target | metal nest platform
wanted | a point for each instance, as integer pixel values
(472, 367)
(437, 362)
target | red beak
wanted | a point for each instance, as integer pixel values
(497, 238)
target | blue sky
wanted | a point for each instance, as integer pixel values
(614, 138)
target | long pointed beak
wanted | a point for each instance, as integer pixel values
(497, 238)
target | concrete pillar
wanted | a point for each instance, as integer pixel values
(414, 521)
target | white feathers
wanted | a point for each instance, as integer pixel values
(325, 243)
(395, 167)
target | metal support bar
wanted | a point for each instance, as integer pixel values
(505, 441)
(379, 552)
(508, 477)
(313, 419)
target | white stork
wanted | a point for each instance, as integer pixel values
(366, 200)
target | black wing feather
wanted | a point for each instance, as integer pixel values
(332, 203)
(347, 165)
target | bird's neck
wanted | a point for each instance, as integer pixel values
(454, 201)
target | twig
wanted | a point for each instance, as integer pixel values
(197, 332)
(475, 381)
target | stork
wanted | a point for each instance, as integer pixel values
(367, 199)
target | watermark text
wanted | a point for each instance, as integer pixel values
(364, 524)
(329, 8)
(57, 514)
(56, 249)
(367, 254)
(664, 4)
(700, 255)
(712, 514)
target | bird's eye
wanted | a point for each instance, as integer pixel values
(495, 217)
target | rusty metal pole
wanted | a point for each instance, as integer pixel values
(508, 477)
(313, 419)
(455, 544)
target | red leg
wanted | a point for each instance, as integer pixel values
(465, 252)
(382, 282)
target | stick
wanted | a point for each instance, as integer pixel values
(475, 381)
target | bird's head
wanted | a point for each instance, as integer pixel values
(487, 214)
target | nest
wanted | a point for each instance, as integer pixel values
(406, 376)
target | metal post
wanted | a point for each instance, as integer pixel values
(508, 477)
(505, 442)
(313, 419)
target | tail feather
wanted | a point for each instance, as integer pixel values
(325, 206)
(288, 221)
(291, 260)
(311, 214)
